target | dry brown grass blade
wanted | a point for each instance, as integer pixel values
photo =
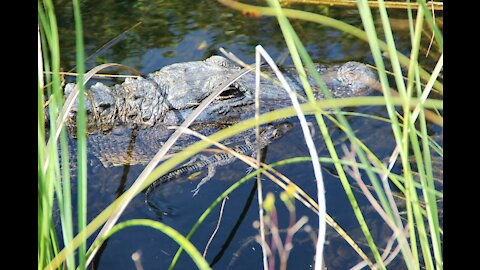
(111, 42)
(98, 76)
(107, 45)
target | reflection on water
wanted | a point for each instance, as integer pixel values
(176, 31)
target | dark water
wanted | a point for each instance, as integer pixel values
(176, 31)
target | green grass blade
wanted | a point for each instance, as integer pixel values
(420, 224)
(64, 198)
(81, 135)
(430, 199)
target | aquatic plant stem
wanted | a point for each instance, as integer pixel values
(81, 137)
(366, 16)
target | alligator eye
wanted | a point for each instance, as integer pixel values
(230, 91)
(104, 106)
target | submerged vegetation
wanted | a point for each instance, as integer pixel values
(416, 237)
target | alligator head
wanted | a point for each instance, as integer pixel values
(168, 95)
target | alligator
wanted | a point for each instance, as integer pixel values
(169, 95)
